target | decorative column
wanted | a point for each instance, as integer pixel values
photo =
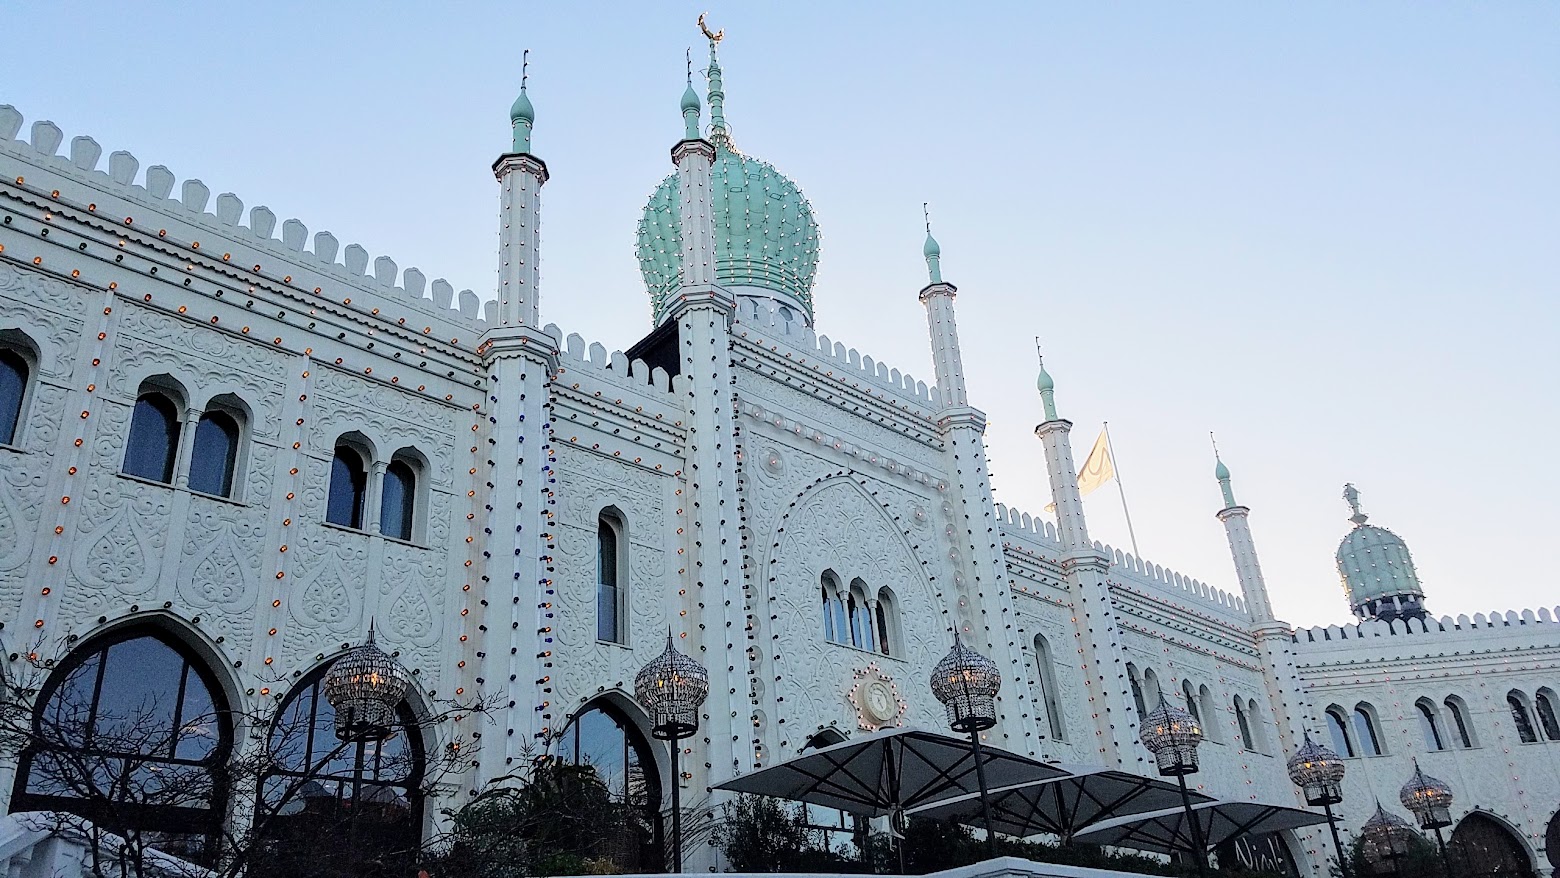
(980, 583)
(1274, 638)
(510, 650)
(1098, 633)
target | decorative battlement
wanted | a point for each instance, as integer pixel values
(1444, 626)
(309, 268)
(834, 359)
(613, 368)
(1124, 564)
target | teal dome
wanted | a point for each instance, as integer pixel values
(930, 248)
(521, 110)
(1374, 563)
(690, 99)
(766, 242)
(1043, 383)
(1220, 471)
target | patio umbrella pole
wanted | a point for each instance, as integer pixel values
(985, 797)
(676, 804)
(1332, 823)
(1199, 850)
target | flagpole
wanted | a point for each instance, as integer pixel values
(1115, 464)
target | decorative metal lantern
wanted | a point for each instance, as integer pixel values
(1385, 838)
(1318, 772)
(671, 687)
(365, 686)
(1429, 799)
(1172, 735)
(966, 682)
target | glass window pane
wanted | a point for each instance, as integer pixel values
(606, 613)
(1547, 718)
(1366, 730)
(137, 700)
(154, 439)
(1340, 736)
(68, 714)
(197, 721)
(348, 483)
(396, 507)
(215, 454)
(603, 746)
(1519, 716)
(13, 386)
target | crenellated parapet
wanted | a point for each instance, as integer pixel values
(281, 252)
(1444, 628)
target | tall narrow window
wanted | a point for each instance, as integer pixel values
(1254, 719)
(1544, 702)
(862, 625)
(1048, 694)
(1521, 717)
(154, 438)
(828, 610)
(13, 389)
(1137, 689)
(1365, 728)
(1244, 724)
(215, 455)
(1151, 689)
(348, 487)
(1339, 729)
(398, 500)
(887, 619)
(1462, 731)
(1192, 707)
(1209, 718)
(836, 621)
(609, 568)
(1430, 724)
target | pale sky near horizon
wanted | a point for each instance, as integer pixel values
(1326, 231)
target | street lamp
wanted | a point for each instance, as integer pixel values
(1431, 801)
(966, 683)
(1172, 735)
(364, 687)
(1385, 839)
(1318, 772)
(671, 687)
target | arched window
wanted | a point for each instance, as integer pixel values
(862, 625)
(1338, 728)
(1209, 718)
(887, 620)
(836, 619)
(1137, 689)
(610, 574)
(1481, 846)
(1430, 724)
(1151, 690)
(1254, 719)
(1462, 728)
(398, 500)
(1521, 717)
(603, 738)
(132, 730)
(154, 438)
(1365, 729)
(1048, 692)
(325, 797)
(214, 459)
(1244, 724)
(1544, 704)
(14, 372)
(1192, 707)
(348, 488)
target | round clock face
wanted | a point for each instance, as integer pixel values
(878, 702)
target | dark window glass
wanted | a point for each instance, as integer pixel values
(1048, 693)
(1546, 716)
(134, 723)
(1137, 689)
(882, 626)
(1522, 719)
(608, 596)
(13, 386)
(839, 829)
(154, 438)
(1365, 727)
(602, 738)
(828, 612)
(348, 485)
(398, 500)
(215, 454)
(861, 623)
(853, 613)
(1430, 726)
(1460, 721)
(1340, 734)
(1244, 724)
(1191, 701)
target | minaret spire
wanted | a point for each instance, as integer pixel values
(717, 96)
(520, 214)
(690, 104)
(931, 250)
(1045, 385)
(1222, 474)
(521, 114)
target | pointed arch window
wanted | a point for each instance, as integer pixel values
(1151, 689)
(1430, 724)
(1244, 725)
(14, 374)
(1521, 717)
(611, 568)
(887, 615)
(603, 739)
(1365, 728)
(862, 625)
(348, 488)
(214, 458)
(135, 724)
(1259, 740)
(1208, 717)
(1137, 690)
(154, 438)
(1544, 705)
(1049, 695)
(836, 613)
(1462, 728)
(398, 500)
(1192, 707)
(1338, 729)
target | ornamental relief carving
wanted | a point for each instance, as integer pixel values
(23, 488)
(821, 415)
(46, 412)
(40, 292)
(328, 594)
(123, 529)
(410, 579)
(334, 416)
(221, 565)
(136, 359)
(108, 436)
(57, 336)
(206, 345)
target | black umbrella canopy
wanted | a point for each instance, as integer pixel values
(1063, 806)
(1168, 831)
(888, 771)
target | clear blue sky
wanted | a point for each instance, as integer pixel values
(1327, 230)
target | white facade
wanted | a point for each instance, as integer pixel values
(774, 464)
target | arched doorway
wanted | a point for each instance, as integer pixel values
(133, 732)
(329, 807)
(604, 738)
(1552, 840)
(1482, 847)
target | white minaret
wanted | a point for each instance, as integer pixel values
(508, 635)
(979, 568)
(1100, 651)
(1274, 638)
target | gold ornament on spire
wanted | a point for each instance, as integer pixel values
(715, 37)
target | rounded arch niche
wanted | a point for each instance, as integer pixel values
(1483, 846)
(839, 524)
(607, 736)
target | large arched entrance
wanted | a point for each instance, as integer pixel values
(605, 739)
(133, 732)
(1552, 840)
(1482, 847)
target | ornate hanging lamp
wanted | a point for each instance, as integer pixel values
(1318, 772)
(671, 687)
(365, 686)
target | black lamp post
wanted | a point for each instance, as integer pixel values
(364, 687)
(671, 687)
(1431, 802)
(966, 683)
(1384, 841)
(1172, 735)
(1318, 772)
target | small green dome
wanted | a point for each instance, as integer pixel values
(690, 99)
(765, 235)
(1375, 563)
(521, 110)
(931, 249)
(1044, 384)
(1220, 471)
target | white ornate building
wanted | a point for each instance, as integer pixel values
(226, 446)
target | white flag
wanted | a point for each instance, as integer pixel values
(1096, 470)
